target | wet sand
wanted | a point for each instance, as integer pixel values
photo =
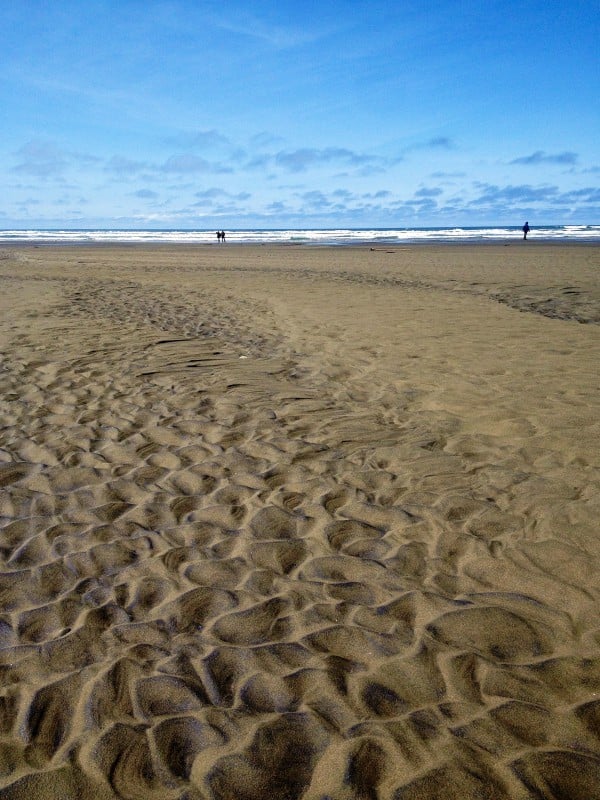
(300, 522)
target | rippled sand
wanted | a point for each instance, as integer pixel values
(295, 522)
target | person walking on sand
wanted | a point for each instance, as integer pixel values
(525, 230)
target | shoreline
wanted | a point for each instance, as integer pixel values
(367, 244)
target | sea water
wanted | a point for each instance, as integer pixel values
(341, 236)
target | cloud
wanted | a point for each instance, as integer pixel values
(546, 200)
(429, 192)
(342, 194)
(435, 143)
(293, 161)
(249, 25)
(372, 169)
(306, 157)
(497, 203)
(66, 200)
(178, 164)
(590, 194)
(214, 195)
(277, 207)
(567, 158)
(440, 142)
(265, 139)
(316, 199)
(260, 161)
(442, 174)
(186, 163)
(210, 194)
(41, 159)
(45, 159)
(210, 138)
(125, 166)
(201, 140)
(146, 194)
(496, 195)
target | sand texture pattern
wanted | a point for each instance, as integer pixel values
(300, 522)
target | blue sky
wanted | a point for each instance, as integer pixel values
(297, 113)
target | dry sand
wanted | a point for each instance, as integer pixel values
(293, 522)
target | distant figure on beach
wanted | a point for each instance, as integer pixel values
(525, 230)
(223, 236)
(220, 235)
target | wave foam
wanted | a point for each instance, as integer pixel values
(339, 236)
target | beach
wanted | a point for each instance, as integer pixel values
(300, 522)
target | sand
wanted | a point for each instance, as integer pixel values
(300, 522)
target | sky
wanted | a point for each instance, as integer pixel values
(298, 114)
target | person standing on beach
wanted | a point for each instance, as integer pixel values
(219, 237)
(525, 230)
(223, 236)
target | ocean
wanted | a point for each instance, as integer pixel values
(341, 236)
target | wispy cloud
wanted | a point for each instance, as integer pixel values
(510, 195)
(380, 195)
(306, 157)
(277, 35)
(265, 139)
(198, 140)
(443, 174)
(41, 159)
(122, 166)
(435, 143)
(214, 195)
(185, 163)
(439, 143)
(426, 191)
(177, 164)
(316, 199)
(567, 158)
(589, 194)
(46, 159)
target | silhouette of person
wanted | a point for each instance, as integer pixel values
(223, 236)
(219, 237)
(525, 230)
